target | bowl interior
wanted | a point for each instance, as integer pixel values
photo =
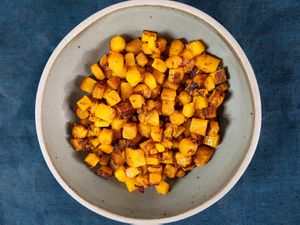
(62, 91)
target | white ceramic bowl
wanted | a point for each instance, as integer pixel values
(58, 90)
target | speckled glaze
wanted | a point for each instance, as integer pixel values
(58, 91)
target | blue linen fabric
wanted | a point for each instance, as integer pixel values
(269, 33)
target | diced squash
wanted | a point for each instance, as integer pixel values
(116, 63)
(187, 146)
(209, 83)
(176, 75)
(105, 172)
(82, 114)
(120, 174)
(148, 35)
(106, 136)
(151, 160)
(155, 169)
(162, 44)
(79, 131)
(104, 160)
(154, 178)
(98, 91)
(150, 81)
(168, 144)
(135, 157)
(114, 83)
(118, 157)
(152, 118)
(131, 184)
(146, 49)
(162, 188)
(186, 56)
(170, 171)
(203, 155)
(184, 97)
(132, 172)
(222, 87)
(105, 112)
(91, 159)
(129, 131)
(112, 98)
(212, 141)
(87, 84)
(199, 126)
(196, 48)
(168, 94)
(207, 63)
(78, 143)
(141, 59)
(97, 71)
(144, 130)
(159, 147)
(155, 92)
(167, 157)
(103, 61)
(180, 173)
(216, 98)
(159, 65)
(188, 109)
(107, 148)
(101, 123)
(182, 159)
(130, 59)
(137, 101)
(171, 85)
(219, 76)
(156, 134)
(159, 77)
(147, 145)
(177, 118)
(84, 103)
(173, 62)
(142, 89)
(126, 90)
(210, 112)
(176, 47)
(134, 46)
(117, 44)
(118, 123)
(213, 128)
(133, 76)
(200, 102)
(167, 107)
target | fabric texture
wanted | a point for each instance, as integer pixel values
(269, 33)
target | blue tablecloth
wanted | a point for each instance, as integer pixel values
(269, 33)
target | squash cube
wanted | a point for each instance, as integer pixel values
(141, 59)
(126, 90)
(154, 178)
(137, 101)
(105, 112)
(129, 131)
(117, 44)
(203, 155)
(176, 47)
(168, 107)
(168, 94)
(212, 141)
(199, 126)
(84, 103)
(159, 77)
(112, 98)
(97, 71)
(144, 130)
(134, 46)
(196, 48)
(120, 174)
(91, 159)
(188, 109)
(87, 84)
(170, 171)
(177, 118)
(207, 63)
(162, 188)
(106, 136)
(135, 157)
(187, 147)
(150, 81)
(132, 172)
(159, 65)
(183, 160)
(133, 76)
(107, 148)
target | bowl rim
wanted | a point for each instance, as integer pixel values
(244, 62)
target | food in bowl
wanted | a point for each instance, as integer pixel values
(151, 112)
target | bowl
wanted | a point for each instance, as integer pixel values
(58, 91)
